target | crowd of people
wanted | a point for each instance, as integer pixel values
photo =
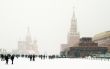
(31, 57)
(7, 57)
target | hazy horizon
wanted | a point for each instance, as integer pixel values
(49, 21)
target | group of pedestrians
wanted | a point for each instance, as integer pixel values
(48, 57)
(7, 57)
(32, 57)
(42, 57)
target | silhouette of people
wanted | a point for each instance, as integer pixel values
(33, 57)
(12, 58)
(2, 57)
(17, 55)
(30, 56)
(43, 56)
(6, 58)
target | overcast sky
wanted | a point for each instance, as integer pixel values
(49, 21)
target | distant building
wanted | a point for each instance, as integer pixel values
(80, 47)
(86, 48)
(28, 46)
(73, 36)
(103, 39)
(63, 49)
(3, 51)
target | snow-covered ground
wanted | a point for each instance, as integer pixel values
(64, 63)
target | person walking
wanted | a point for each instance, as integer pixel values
(12, 58)
(6, 58)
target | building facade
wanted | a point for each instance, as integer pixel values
(73, 37)
(86, 47)
(81, 47)
(28, 46)
(103, 39)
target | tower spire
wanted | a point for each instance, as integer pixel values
(73, 36)
(73, 28)
(28, 37)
